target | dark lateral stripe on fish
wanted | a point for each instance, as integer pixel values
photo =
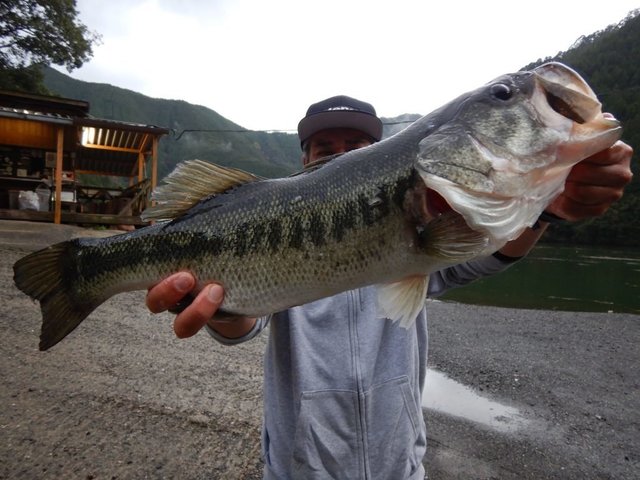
(274, 237)
(366, 212)
(240, 244)
(317, 229)
(97, 260)
(248, 238)
(296, 234)
(402, 185)
(341, 221)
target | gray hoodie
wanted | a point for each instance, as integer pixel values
(342, 386)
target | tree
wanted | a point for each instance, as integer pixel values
(40, 32)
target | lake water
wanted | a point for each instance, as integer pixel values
(563, 278)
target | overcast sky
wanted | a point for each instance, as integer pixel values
(260, 63)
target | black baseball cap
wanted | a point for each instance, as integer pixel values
(340, 112)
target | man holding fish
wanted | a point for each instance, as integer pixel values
(342, 386)
(339, 259)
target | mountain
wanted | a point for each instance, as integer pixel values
(391, 126)
(210, 137)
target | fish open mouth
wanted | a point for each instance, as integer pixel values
(567, 93)
(436, 204)
(563, 108)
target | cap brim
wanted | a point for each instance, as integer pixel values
(364, 122)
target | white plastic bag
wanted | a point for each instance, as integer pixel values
(28, 200)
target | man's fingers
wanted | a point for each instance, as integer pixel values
(169, 291)
(594, 184)
(572, 210)
(195, 311)
(611, 167)
(619, 152)
(616, 175)
(590, 195)
(201, 310)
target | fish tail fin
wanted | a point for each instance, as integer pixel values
(51, 277)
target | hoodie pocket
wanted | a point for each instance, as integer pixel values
(326, 440)
(395, 430)
(334, 434)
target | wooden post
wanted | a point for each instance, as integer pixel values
(57, 213)
(154, 163)
(140, 167)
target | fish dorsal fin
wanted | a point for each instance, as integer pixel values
(402, 301)
(316, 164)
(190, 182)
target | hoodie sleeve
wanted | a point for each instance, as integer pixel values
(465, 273)
(260, 325)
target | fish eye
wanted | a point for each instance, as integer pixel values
(501, 91)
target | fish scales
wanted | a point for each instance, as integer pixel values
(455, 185)
(332, 222)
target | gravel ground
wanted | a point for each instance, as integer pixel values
(122, 398)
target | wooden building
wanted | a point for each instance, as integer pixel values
(54, 158)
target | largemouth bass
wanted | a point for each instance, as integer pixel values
(457, 184)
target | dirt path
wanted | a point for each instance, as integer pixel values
(122, 398)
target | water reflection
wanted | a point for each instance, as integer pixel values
(563, 278)
(453, 398)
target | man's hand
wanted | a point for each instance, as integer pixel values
(594, 184)
(173, 289)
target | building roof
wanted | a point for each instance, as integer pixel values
(44, 104)
(108, 147)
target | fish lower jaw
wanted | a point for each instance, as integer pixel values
(587, 140)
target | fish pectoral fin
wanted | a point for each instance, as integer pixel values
(448, 237)
(190, 182)
(402, 301)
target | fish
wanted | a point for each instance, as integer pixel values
(456, 184)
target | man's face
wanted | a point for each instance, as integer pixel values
(333, 141)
